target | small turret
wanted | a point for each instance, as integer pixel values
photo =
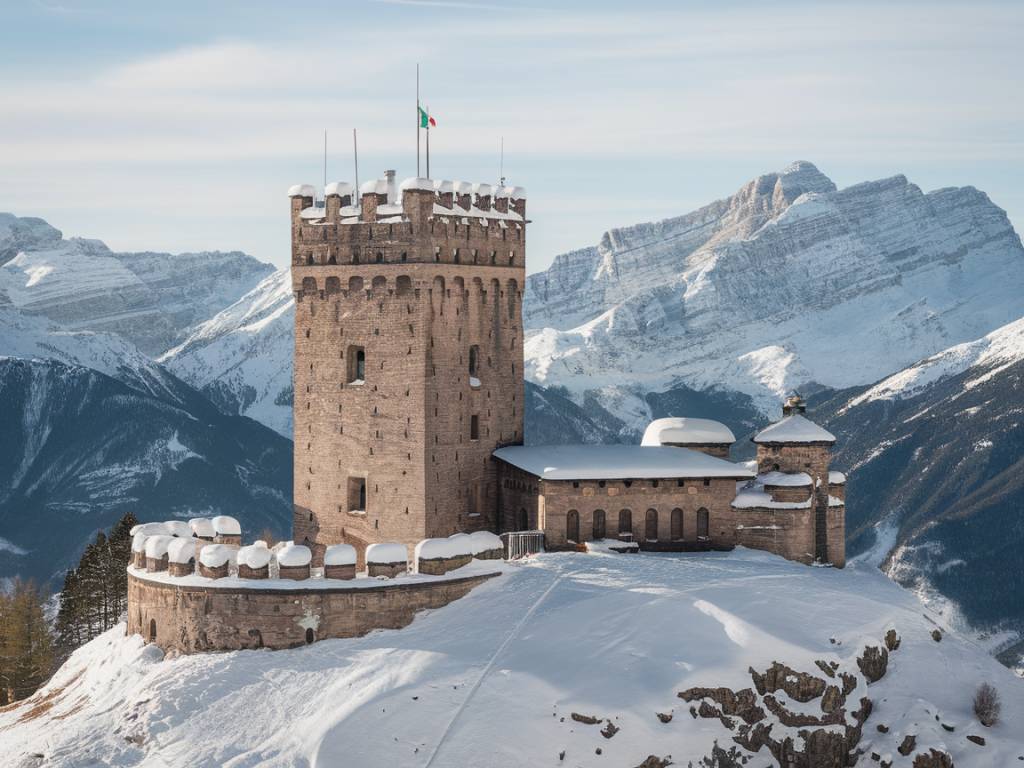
(794, 404)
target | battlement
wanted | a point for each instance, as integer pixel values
(420, 220)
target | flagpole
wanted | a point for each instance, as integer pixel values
(428, 142)
(418, 120)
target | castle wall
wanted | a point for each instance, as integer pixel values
(785, 532)
(191, 619)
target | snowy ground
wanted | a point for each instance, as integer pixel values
(493, 678)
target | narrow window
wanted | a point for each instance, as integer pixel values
(625, 524)
(474, 361)
(572, 526)
(152, 630)
(599, 524)
(437, 253)
(677, 524)
(474, 427)
(356, 365)
(309, 636)
(357, 494)
(702, 523)
(455, 255)
(380, 257)
(651, 525)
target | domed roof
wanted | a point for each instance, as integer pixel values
(677, 430)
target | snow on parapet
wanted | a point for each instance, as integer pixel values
(301, 190)
(293, 555)
(483, 190)
(150, 529)
(202, 527)
(794, 429)
(179, 528)
(216, 555)
(374, 187)
(435, 549)
(611, 462)
(755, 495)
(785, 479)
(687, 431)
(386, 553)
(224, 525)
(338, 189)
(340, 554)
(419, 183)
(254, 556)
(156, 546)
(444, 186)
(181, 550)
(515, 193)
(139, 541)
(836, 478)
(485, 541)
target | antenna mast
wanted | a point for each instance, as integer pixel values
(501, 163)
(325, 166)
(355, 158)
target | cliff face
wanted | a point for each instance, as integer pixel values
(790, 281)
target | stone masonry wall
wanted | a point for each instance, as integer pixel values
(194, 619)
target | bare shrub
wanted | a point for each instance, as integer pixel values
(987, 705)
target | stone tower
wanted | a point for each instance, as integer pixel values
(408, 357)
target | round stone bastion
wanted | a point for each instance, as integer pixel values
(196, 614)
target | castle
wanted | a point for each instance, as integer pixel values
(409, 454)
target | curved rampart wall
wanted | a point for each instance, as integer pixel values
(191, 619)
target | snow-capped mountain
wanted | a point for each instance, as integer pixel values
(241, 358)
(151, 299)
(936, 460)
(80, 448)
(788, 282)
(573, 659)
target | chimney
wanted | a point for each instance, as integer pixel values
(794, 404)
(392, 189)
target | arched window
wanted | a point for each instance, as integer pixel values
(625, 524)
(152, 630)
(362, 495)
(572, 526)
(309, 636)
(599, 524)
(651, 525)
(677, 525)
(702, 523)
(474, 361)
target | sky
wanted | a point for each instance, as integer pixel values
(180, 126)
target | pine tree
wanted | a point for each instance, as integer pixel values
(26, 645)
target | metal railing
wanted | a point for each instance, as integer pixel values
(522, 543)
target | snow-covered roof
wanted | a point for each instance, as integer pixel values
(836, 478)
(687, 431)
(340, 554)
(482, 541)
(785, 479)
(225, 525)
(202, 527)
(181, 550)
(610, 462)
(417, 183)
(339, 188)
(294, 555)
(387, 552)
(254, 556)
(150, 529)
(433, 549)
(794, 429)
(179, 528)
(215, 555)
(301, 190)
(156, 546)
(750, 496)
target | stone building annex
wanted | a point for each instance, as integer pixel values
(409, 455)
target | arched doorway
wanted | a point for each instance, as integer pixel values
(677, 525)
(310, 637)
(522, 520)
(572, 526)
(152, 630)
(651, 525)
(625, 524)
(599, 524)
(702, 523)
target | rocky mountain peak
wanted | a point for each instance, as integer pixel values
(25, 233)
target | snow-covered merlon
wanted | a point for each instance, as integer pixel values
(687, 431)
(485, 541)
(612, 462)
(216, 555)
(340, 554)
(181, 550)
(178, 528)
(254, 556)
(339, 189)
(836, 478)
(139, 541)
(294, 555)
(150, 529)
(302, 190)
(202, 527)
(417, 183)
(434, 549)
(156, 546)
(386, 553)
(794, 429)
(225, 525)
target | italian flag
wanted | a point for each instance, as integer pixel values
(426, 121)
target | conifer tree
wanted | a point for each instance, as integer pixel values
(26, 645)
